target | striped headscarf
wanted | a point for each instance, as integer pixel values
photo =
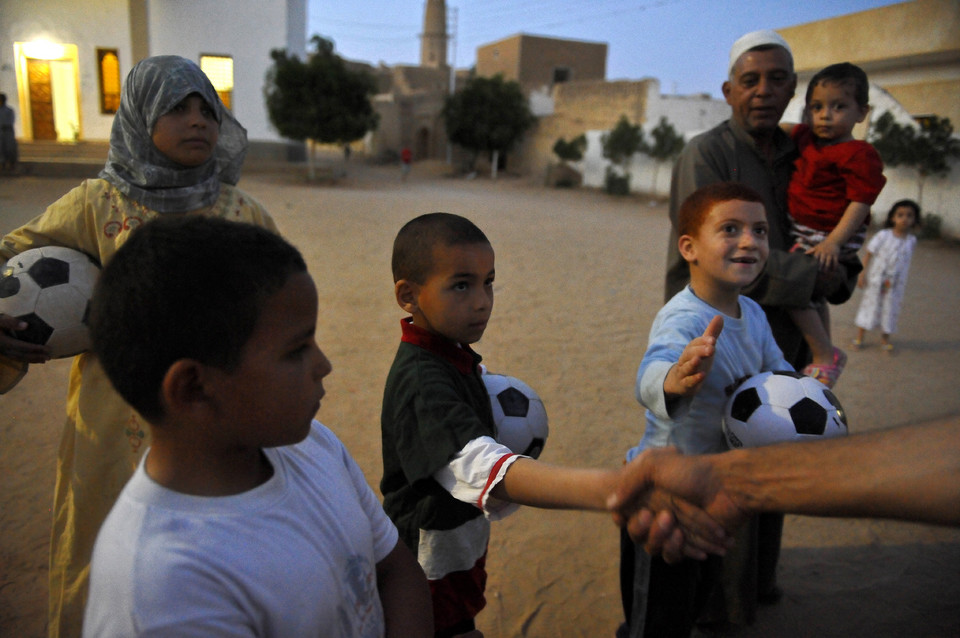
(135, 166)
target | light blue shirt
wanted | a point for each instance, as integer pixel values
(745, 347)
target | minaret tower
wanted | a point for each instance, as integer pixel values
(433, 40)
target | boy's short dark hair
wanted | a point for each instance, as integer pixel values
(413, 247)
(843, 73)
(184, 287)
(700, 202)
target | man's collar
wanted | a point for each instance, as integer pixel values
(461, 355)
(781, 142)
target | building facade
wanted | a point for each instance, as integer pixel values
(538, 63)
(62, 61)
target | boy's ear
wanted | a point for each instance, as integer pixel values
(687, 248)
(184, 389)
(407, 294)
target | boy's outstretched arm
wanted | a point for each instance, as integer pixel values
(404, 594)
(688, 374)
(530, 482)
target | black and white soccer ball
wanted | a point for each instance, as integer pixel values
(518, 413)
(50, 289)
(776, 407)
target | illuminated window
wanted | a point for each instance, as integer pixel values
(219, 68)
(108, 66)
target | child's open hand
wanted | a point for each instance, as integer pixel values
(17, 349)
(690, 371)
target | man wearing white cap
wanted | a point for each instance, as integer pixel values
(667, 600)
(751, 148)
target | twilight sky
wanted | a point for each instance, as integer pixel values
(682, 43)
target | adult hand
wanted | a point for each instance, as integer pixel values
(17, 349)
(693, 489)
(665, 519)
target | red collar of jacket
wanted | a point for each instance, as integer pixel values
(460, 355)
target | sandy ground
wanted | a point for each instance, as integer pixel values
(579, 279)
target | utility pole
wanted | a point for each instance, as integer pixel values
(452, 39)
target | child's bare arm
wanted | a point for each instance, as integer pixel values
(404, 594)
(530, 482)
(827, 252)
(687, 375)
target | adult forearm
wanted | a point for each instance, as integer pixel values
(906, 473)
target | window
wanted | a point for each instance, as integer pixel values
(108, 68)
(219, 68)
(561, 74)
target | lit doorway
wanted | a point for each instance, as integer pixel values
(47, 81)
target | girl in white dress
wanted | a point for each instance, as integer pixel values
(884, 277)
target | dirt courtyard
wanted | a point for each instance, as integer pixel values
(579, 280)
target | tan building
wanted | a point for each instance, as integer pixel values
(410, 98)
(579, 107)
(911, 49)
(410, 104)
(537, 63)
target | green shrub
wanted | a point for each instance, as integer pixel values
(617, 184)
(932, 226)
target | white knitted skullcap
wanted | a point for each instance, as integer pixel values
(756, 39)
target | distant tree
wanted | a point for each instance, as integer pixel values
(564, 175)
(928, 148)
(319, 99)
(488, 115)
(571, 151)
(667, 144)
(619, 146)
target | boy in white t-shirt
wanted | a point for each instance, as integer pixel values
(246, 517)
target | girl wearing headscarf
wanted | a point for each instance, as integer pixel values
(174, 149)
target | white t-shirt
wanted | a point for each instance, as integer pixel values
(293, 557)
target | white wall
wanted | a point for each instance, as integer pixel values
(244, 29)
(88, 24)
(689, 114)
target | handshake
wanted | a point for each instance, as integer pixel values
(689, 506)
(678, 506)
